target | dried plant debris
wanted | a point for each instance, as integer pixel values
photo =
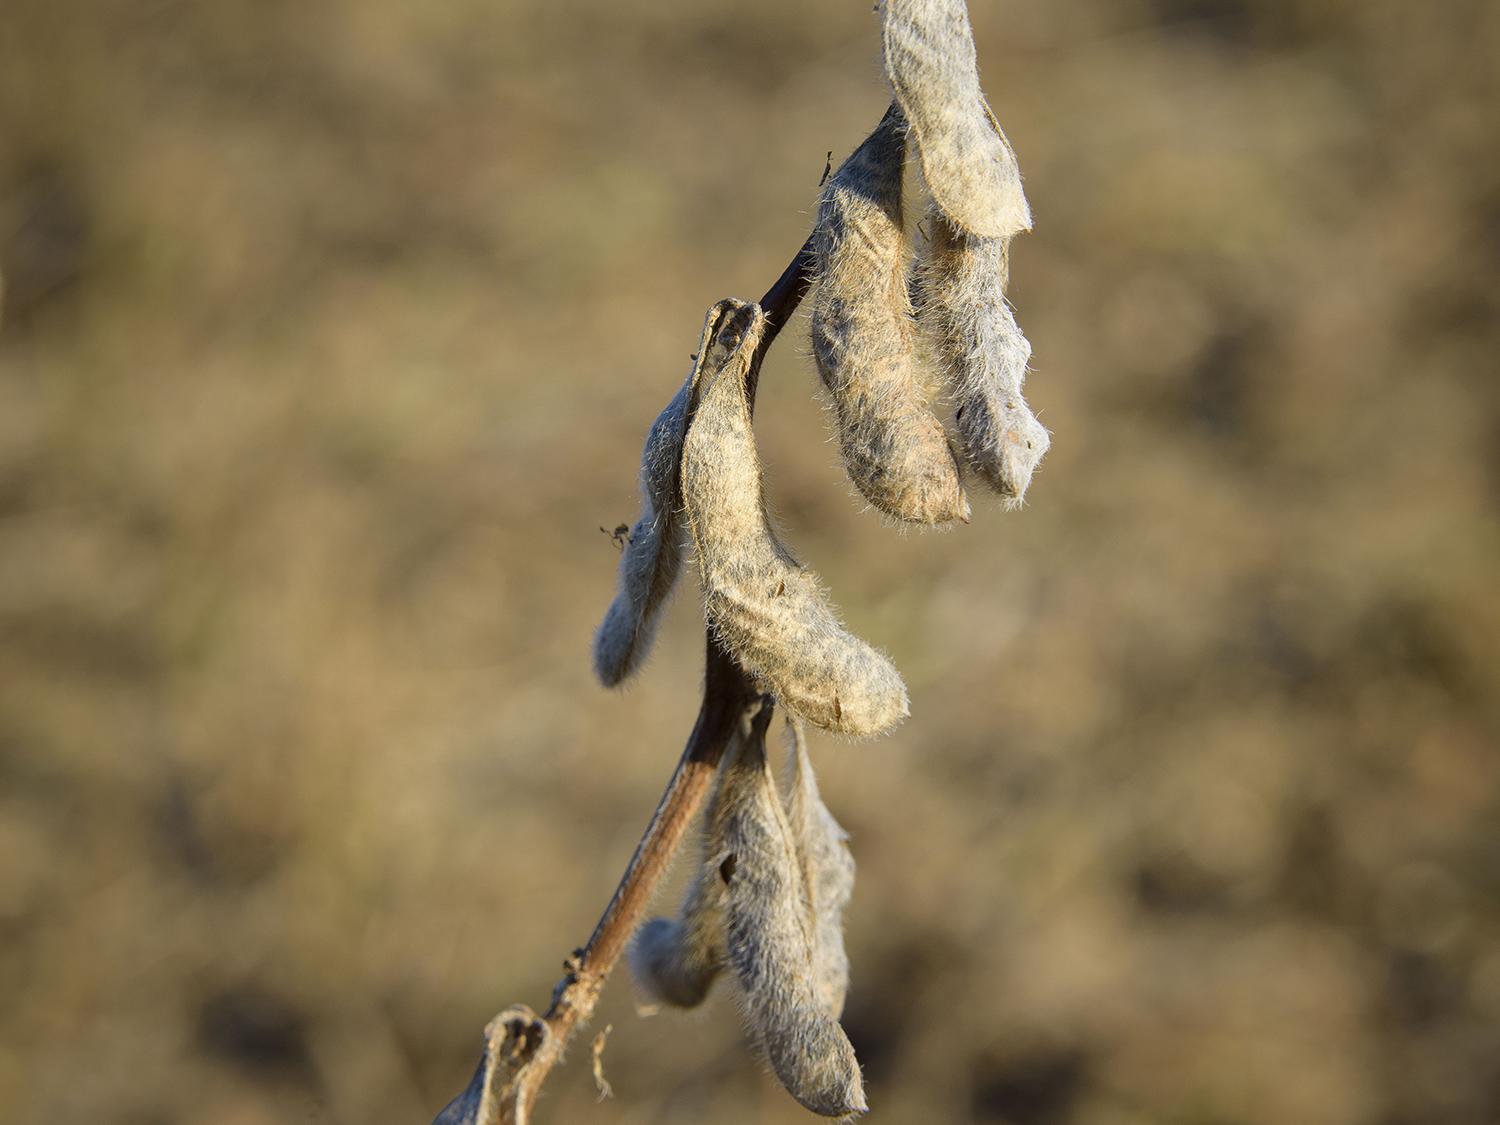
(512, 1041)
(863, 336)
(764, 607)
(968, 164)
(652, 553)
(985, 354)
(769, 939)
(827, 871)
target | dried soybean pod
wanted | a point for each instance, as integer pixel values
(985, 354)
(827, 869)
(894, 447)
(762, 604)
(676, 960)
(769, 940)
(652, 556)
(653, 553)
(968, 164)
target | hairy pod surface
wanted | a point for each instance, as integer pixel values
(769, 939)
(653, 554)
(968, 164)
(766, 609)
(827, 871)
(985, 354)
(652, 557)
(676, 960)
(863, 336)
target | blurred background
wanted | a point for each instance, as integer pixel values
(330, 336)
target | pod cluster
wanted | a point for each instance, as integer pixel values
(701, 478)
(900, 327)
(864, 328)
(767, 905)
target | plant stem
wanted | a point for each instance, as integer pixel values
(780, 301)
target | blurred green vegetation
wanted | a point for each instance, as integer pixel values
(330, 335)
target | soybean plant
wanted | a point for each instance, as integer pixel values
(893, 317)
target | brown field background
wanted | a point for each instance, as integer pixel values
(330, 335)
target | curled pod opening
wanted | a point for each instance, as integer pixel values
(769, 940)
(652, 557)
(863, 336)
(984, 353)
(968, 164)
(764, 607)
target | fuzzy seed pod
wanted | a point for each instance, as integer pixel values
(769, 940)
(653, 553)
(676, 960)
(827, 871)
(762, 604)
(986, 355)
(895, 449)
(967, 162)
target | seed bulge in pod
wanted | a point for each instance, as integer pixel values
(863, 336)
(968, 164)
(765, 608)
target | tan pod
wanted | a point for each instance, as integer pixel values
(768, 938)
(985, 355)
(765, 608)
(967, 162)
(863, 339)
(653, 553)
(827, 871)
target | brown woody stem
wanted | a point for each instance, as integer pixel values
(521, 1048)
